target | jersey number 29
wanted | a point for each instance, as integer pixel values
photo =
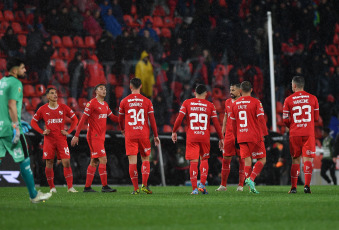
(198, 118)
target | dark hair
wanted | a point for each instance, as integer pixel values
(236, 85)
(49, 89)
(135, 82)
(14, 62)
(97, 86)
(246, 86)
(299, 81)
(200, 89)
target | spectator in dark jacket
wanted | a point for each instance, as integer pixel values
(76, 21)
(148, 27)
(91, 26)
(105, 47)
(117, 13)
(10, 44)
(65, 22)
(42, 62)
(52, 21)
(76, 73)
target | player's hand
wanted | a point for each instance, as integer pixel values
(174, 137)
(64, 132)
(123, 132)
(221, 145)
(46, 132)
(16, 134)
(156, 141)
(25, 126)
(75, 141)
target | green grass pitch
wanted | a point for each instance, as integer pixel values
(173, 208)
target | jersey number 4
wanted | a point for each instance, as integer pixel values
(299, 110)
(136, 116)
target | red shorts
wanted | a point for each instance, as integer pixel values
(55, 146)
(253, 150)
(134, 146)
(196, 149)
(229, 148)
(97, 147)
(304, 146)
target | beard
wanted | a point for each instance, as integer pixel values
(233, 96)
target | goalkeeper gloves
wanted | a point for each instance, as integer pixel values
(25, 126)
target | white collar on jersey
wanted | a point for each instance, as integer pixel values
(53, 108)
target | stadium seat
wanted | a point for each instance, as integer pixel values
(63, 54)
(61, 100)
(331, 50)
(40, 90)
(159, 11)
(90, 42)
(167, 129)
(157, 30)
(17, 28)
(1, 16)
(129, 21)
(82, 103)
(35, 102)
(119, 91)
(157, 22)
(334, 61)
(176, 88)
(173, 117)
(111, 79)
(181, 129)
(56, 40)
(177, 20)
(63, 91)
(3, 64)
(60, 66)
(55, 55)
(218, 106)
(67, 42)
(3, 26)
(72, 103)
(168, 22)
(29, 91)
(147, 18)
(19, 16)
(337, 28)
(217, 93)
(78, 42)
(279, 107)
(8, 15)
(336, 39)
(63, 78)
(22, 40)
(26, 103)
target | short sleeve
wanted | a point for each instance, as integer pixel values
(88, 109)
(69, 111)
(38, 115)
(183, 108)
(122, 108)
(15, 90)
(260, 109)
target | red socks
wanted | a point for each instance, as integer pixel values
(103, 174)
(69, 177)
(133, 173)
(248, 171)
(203, 171)
(241, 172)
(90, 175)
(194, 174)
(145, 169)
(256, 170)
(295, 171)
(308, 168)
(50, 177)
(225, 171)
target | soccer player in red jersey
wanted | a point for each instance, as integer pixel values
(230, 149)
(96, 112)
(249, 127)
(198, 112)
(134, 112)
(55, 136)
(300, 111)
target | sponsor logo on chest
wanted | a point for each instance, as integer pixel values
(54, 121)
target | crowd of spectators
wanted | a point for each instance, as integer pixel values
(215, 42)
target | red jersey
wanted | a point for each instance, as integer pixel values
(136, 109)
(198, 115)
(228, 111)
(248, 118)
(97, 113)
(300, 111)
(54, 118)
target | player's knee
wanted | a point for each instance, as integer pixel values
(66, 163)
(263, 160)
(49, 163)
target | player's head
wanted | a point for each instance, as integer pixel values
(235, 91)
(51, 94)
(246, 87)
(201, 91)
(298, 82)
(100, 90)
(16, 67)
(135, 83)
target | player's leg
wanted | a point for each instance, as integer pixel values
(332, 173)
(229, 151)
(308, 153)
(325, 165)
(66, 163)
(295, 151)
(258, 166)
(50, 174)
(192, 154)
(49, 149)
(144, 146)
(92, 167)
(103, 174)
(241, 174)
(204, 156)
(132, 151)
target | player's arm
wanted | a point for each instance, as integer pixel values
(69, 112)
(34, 124)
(224, 121)
(263, 125)
(286, 114)
(13, 113)
(75, 139)
(218, 129)
(112, 116)
(316, 110)
(74, 123)
(154, 128)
